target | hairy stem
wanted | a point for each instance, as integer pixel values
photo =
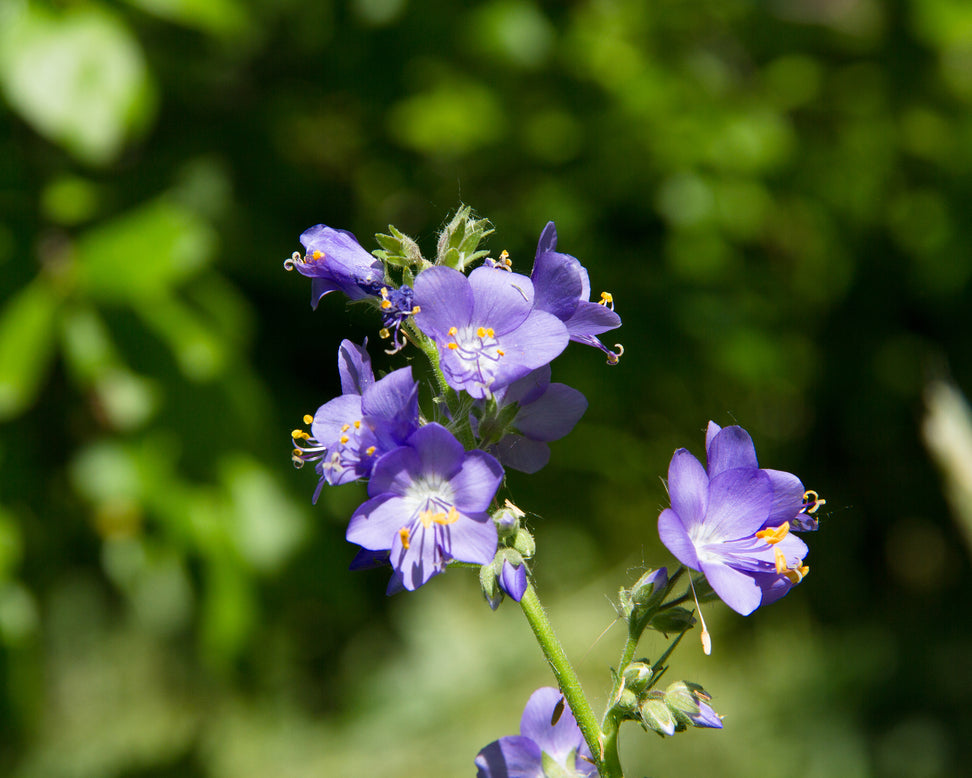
(567, 680)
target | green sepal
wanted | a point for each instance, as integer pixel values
(489, 583)
(657, 716)
(459, 241)
(672, 620)
(398, 250)
(524, 543)
(553, 768)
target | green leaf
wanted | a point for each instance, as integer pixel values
(26, 345)
(143, 253)
(78, 77)
(222, 18)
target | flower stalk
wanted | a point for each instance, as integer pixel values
(566, 677)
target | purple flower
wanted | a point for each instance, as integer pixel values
(689, 703)
(547, 412)
(429, 501)
(564, 289)
(522, 756)
(396, 306)
(733, 522)
(351, 432)
(486, 327)
(336, 262)
(513, 579)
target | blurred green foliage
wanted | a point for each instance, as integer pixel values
(776, 193)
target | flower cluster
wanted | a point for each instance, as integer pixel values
(434, 464)
(491, 335)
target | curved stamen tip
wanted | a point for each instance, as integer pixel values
(294, 260)
(613, 357)
(812, 501)
(607, 300)
(308, 419)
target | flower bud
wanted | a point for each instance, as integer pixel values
(488, 581)
(672, 620)
(689, 703)
(524, 543)
(628, 703)
(398, 250)
(656, 715)
(648, 589)
(636, 676)
(459, 241)
(507, 521)
(513, 578)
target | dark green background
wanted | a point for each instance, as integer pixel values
(778, 196)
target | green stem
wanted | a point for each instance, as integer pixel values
(611, 725)
(567, 679)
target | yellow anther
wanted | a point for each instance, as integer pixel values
(813, 500)
(417, 309)
(452, 346)
(447, 518)
(500, 352)
(386, 304)
(297, 454)
(308, 419)
(404, 534)
(318, 254)
(299, 435)
(480, 332)
(489, 331)
(452, 331)
(615, 356)
(370, 450)
(345, 428)
(344, 439)
(504, 256)
(384, 333)
(607, 299)
(774, 535)
(793, 574)
(357, 425)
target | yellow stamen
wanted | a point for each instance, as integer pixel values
(404, 534)
(774, 535)
(814, 501)
(386, 304)
(417, 309)
(318, 254)
(370, 450)
(607, 300)
(452, 331)
(308, 419)
(299, 435)
(452, 346)
(480, 332)
(504, 255)
(357, 425)
(447, 518)
(384, 333)
(500, 352)
(344, 439)
(489, 331)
